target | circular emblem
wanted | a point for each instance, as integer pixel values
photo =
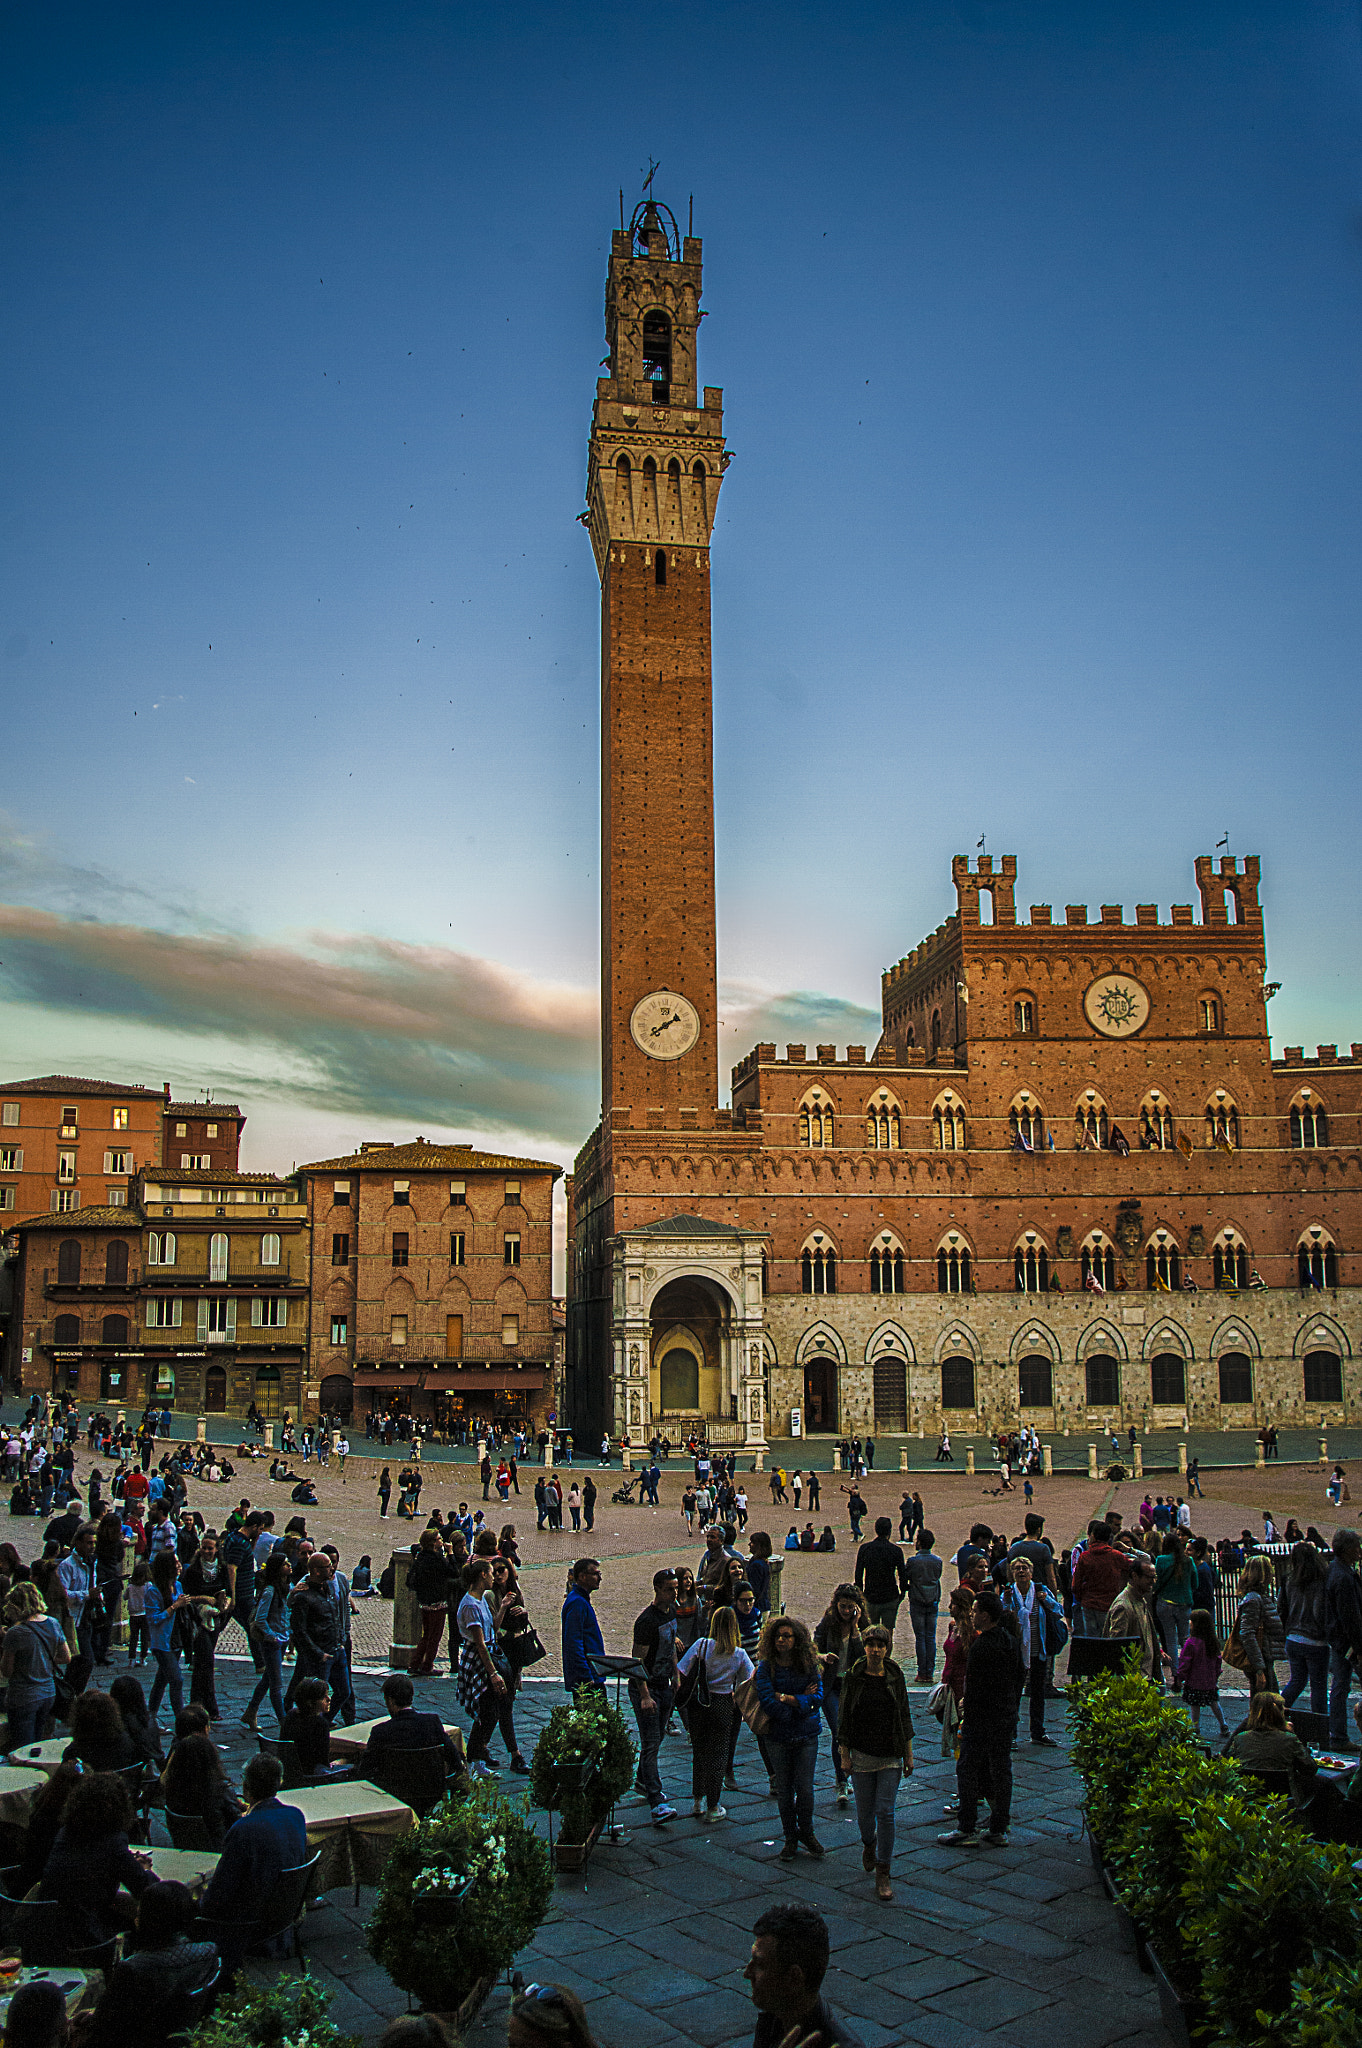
(664, 1025)
(1116, 1005)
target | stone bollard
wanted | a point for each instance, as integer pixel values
(1047, 1461)
(969, 1463)
(201, 1429)
(406, 1629)
(1182, 1461)
(626, 1458)
(777, 1567)
(1139, 1461)
(1259, 1456)
(1092, 1461)
(1323, 1452)
(921, 1431)
(836, 1460)
(548, 1453)
(903, 1457)
(759, 1462)
(482, 1449)
(269, 1436)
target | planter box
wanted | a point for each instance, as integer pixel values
(460, 2018)
(1131, 1937)
(1109, 1883)
(1181, 2014)
(572, 1855)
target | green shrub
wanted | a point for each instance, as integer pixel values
(582, 1763)
(1121, 1727)
(1151, 1849)
(483, 1834)
(254, 2016)
(1326, 2007)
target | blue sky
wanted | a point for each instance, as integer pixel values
(1038, 326)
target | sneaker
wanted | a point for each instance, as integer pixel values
(996, 1838)
(697, 1808)
(1045, 1741)
(842, 1793)
(813, 1845)
(663, 1813)
(717, 1813)
(958, 1839)
(731, 1783)
(951, 1806)
(478, 1769)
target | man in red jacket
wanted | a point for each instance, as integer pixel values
(1098, 1577)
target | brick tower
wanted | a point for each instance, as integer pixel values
(656, 461)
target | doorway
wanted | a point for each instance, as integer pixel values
(820, 1397)
(680, 1374)
(215, 1391)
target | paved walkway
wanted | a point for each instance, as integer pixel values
(979, 1946)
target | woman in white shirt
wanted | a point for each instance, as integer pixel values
(724, 1665)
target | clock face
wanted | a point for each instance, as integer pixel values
(1117, 1005)
(664, 1026)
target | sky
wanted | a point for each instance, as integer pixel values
(1038, 326)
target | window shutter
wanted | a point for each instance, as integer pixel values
(231, 1318)
(203, 1320)
(257, 1313)
(177, 1313)
(281, 1314)
(53, 1203)
(168, 1248)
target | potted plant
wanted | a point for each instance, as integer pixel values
(1150, 1852)
(1326, 2007)
(1121, 1727)
(582, 1763)
(291, 2011)
(461, 1894)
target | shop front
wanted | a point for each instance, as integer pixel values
(453, 1396)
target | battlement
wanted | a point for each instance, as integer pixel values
(1239, 884)
(929, 953)
(826, 1056)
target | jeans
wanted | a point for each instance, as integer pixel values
(884, 1612)
(1172, 1621)
(876, 1792)
(924, 1635)
(30, 1715)
(1308, 1661)
(651, 1729)
(428, 1649)
(831, 1705)
(985, 1766)
(792, 1774)
(271, 1681)
(709, 1732)
(203, 1674)
(1039, 1668)
(1340, 1678)
(167, 1679)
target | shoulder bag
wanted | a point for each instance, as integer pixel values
(523, 1648)
(748, 1703)
(693, 1690)
(63, 1690)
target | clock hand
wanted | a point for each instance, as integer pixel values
(665, 1025)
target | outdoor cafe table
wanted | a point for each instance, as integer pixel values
(192, 1867)
(348, 1744)
(80, 1988)
(41, 1756)
(18, 1790)
(354, 1825)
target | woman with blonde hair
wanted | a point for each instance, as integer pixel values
(1258, 1625)
(719, 1662)
(790, 1688)
(33, 1652)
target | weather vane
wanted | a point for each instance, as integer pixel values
(653, 170)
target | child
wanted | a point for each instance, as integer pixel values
(1030, 1492)
(138, 1631)
(1199, 1669)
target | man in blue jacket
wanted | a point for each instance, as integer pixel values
(269, 1839)
(581, 1630)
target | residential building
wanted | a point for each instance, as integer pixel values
(201, 1137)
(68, 1143)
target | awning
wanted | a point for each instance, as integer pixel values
(411, 1380)
(478, 1379)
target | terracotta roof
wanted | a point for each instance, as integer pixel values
(122, 1217)
(209, 1109)
(430, 1158)
(217, 1176)
(72, 1084)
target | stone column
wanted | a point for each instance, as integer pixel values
(1259, 1459)
(406, 1616)
(1139, 1461)
(1047, 1461)
(752, 1391)
(1092, 1461)
(1182, 1461)
(969, 1463)
(903, 1457)
(1323, 1452)
(201, 1429)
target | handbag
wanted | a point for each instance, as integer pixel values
(1234, 1652)
(936, 1701)
(524, 1648)
(693, 1690)
(749, 1705)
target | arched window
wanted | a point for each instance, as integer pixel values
(1092, 1129)
(217, 1256)
(1097, 1263)
(820, 1269)
(815, 1122)
(1222, 1122)
(1102, 1374)
(269, 1248)
(883, 1131)
(1309, 1123)
(1035, 1382)
(1230, 1262)
(953, 1268)
(1028, 1124)
(1024, 1017)
(114, 1330)
(1156, 1123)
(337, 1396)
(116, 1263)
(657, 355)
(936, 1030)
(1236, 1378)
(957, 1382)
(1317, 1258)
(161, 1248)
(68, 1262)
(1168, 1380)
(1209, 1015)
(1162, 1264)
(698, 472)
(886, 1268)
(948, 1123)
(660, 568)
(66, 1330)
(1031, 1265)
(1323, 1376)
(765, 1277)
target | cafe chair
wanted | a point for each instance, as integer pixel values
(287, 1909)
(1313, 1729)
(188, 1830)
(418, 1777)
(105, 1956)
(11, 1897)
(134, 1776)
(40, 1925)
(193, 2007)
(1271, 1781)
(295, 1777)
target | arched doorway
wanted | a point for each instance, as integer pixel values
(691, 1321)
(680, 1379)
(338, 1396)
(820, 1397)
(215, 1391)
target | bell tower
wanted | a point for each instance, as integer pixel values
(656, 460)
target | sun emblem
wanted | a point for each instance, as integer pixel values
(1116, 1005)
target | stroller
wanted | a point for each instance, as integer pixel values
(625, 1494)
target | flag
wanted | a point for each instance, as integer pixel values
(1222, 1143)
(1184, 1144)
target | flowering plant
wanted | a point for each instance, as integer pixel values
(291, 2013)
(583, 1762)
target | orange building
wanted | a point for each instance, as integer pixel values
(68, 1143)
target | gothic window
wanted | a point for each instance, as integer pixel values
(953, 1269)
(1162, 1265)
(116, 1264)
(66, 1330)
(68, 1262)
(1028, 1124)
(1092, 1129)
(1168, 1380)
(1156, 1124)
(269, 1248)
(657, 355)
(1236, 1378)
(820, 1269)
(1222, 1123)
(1097, 1263)
(1317, 1259)
(217, 1256)
(765, 1277)
(660, 568)
(1309, 1124)
(957, 1383)
(1323, 1376)
(816, 1122)
(886, 1268)
(1031, 1266)
(1024, 1017)
(1103, 1376)
(1230, 1261)
(1035, 1382)
(948, 1124)
(161, 1248)
(936, 1030)
(883, 1131)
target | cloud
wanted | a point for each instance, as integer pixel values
(750, 1014)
